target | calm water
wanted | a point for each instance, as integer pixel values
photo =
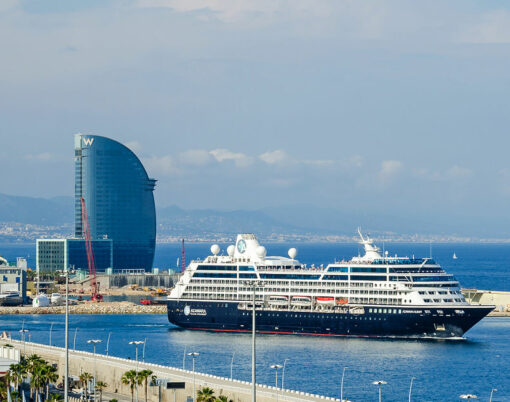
(443, 370)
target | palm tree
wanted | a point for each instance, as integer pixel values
(32, 364)
(55, 398)
(17, 372)
(205, 394)
(38, 379)
(50, 376)
(100, 386)
(143, 376)
(130, 378)
(85, 379)
(223, 398)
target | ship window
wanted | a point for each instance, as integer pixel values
(368, 277)
(245, 268)
(421, 292)
(367, 269)
(337, 269)
(426, 300)
(437, 300)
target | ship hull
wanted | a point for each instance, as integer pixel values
(367, 321)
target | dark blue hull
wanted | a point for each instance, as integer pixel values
(376, 321)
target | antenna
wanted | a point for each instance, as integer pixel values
(183, 262)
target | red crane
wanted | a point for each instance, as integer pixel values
(90, 255)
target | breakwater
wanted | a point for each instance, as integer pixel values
(123, 307)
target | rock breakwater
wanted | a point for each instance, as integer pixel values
(123, 307)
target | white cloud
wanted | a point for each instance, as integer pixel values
(195, 157)
(42, 157)
(493, 27)
(134, 146)
(319, 162)
(457, 172)
(272, 157)
(240, 159)
(160, 165)
(389, 169)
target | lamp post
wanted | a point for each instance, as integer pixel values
(380, 383)
(143, 350)
(468, 396)
(22, 335)
(492, 391)
(136, 343)
(193, 355)
(276, 367)
(66, 335)
(51, 329)
(184, 358)
(232, 364)
(108, 343)
(74, 342)
(283, 373)
(411, 388)
(342, 385)
(93, 342)
(253, 285)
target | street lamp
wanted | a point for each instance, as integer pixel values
(468, 396)
(108, 343)
(232, 364)
(51, 329)
(342, 385)
(283, 373)
(380, 383)
(143, 350)
(74, 342)
(253, 285)
(22, 335)
(184, 358)
(193, 355)
(276, 367)
(411, 388)
(93, 342)
(492, 391)
(136, 343)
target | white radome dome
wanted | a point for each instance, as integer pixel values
(215, 249)
(261, 252)
(230, 250)
(292, 253)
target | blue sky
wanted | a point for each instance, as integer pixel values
(385, 106)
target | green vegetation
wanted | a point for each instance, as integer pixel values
(143, 376)
(100, 386)
(41, 375)
(131, 378)
(206, 394)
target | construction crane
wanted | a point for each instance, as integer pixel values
(90, 255)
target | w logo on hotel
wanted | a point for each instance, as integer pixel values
(88, 141)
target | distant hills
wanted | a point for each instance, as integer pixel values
(303, 219)
(37, 211)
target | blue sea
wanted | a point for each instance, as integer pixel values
(443, 370)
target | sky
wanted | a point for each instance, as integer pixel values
(391, 107)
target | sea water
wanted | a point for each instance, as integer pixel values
(443, 370)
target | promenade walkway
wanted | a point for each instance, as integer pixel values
(110, 370)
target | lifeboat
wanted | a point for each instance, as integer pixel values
(278, 300)
(301, 300)
(342, 300)
(326, 300)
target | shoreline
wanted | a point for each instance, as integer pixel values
(123, 307)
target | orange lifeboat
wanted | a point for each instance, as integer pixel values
(342, 300)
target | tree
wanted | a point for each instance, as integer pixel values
(55, 398)
(85, 379)
(50, 376)
(143, 376)
(223, 398)
(100, 386)
(38, 379)
(32, 365)
(17, 373)
(205, 394)
(130, 378)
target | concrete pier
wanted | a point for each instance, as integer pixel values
(110, 370)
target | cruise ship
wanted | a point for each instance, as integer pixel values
(370, 295)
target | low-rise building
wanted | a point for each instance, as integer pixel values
(59, 254)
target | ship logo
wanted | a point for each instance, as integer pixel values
(241, 246)
(187, 310)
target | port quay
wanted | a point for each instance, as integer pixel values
(110, 369)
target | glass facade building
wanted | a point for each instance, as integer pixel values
(58, 254)
(119, 199)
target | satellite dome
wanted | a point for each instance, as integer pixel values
(292, 253)
(230, 250)
(261, 252)
(215, 249)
